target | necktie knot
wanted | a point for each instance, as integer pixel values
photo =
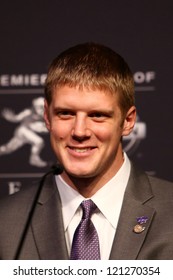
(88, 207)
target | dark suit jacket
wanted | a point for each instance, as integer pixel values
(144, 196)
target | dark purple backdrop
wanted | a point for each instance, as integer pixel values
(34, 33)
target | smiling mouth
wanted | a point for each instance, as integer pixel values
(82, 150)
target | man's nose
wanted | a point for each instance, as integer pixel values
(81, 128)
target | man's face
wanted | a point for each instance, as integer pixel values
(86, 127)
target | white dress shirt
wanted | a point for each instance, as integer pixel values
(108, 200)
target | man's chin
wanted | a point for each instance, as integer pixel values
(80, 174)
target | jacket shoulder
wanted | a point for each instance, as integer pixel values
(158, 186)
(161, 187)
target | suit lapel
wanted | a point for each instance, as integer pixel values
(47, 225)
(127, 243)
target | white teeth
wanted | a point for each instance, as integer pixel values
(81, 150)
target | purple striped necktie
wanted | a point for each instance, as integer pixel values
(85, 244)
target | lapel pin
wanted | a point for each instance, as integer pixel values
(140, 221)
(138, 228)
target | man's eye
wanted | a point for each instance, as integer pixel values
(98, 116)
(65, 114)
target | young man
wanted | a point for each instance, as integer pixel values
(89, 106)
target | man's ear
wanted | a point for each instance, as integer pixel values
(46, 115)
(129, 121)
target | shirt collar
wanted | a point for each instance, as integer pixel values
(108, 199)
(70, 199)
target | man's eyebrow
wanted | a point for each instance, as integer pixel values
(104, 111)
(59, 108)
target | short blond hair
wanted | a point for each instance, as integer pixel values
(93, 66)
